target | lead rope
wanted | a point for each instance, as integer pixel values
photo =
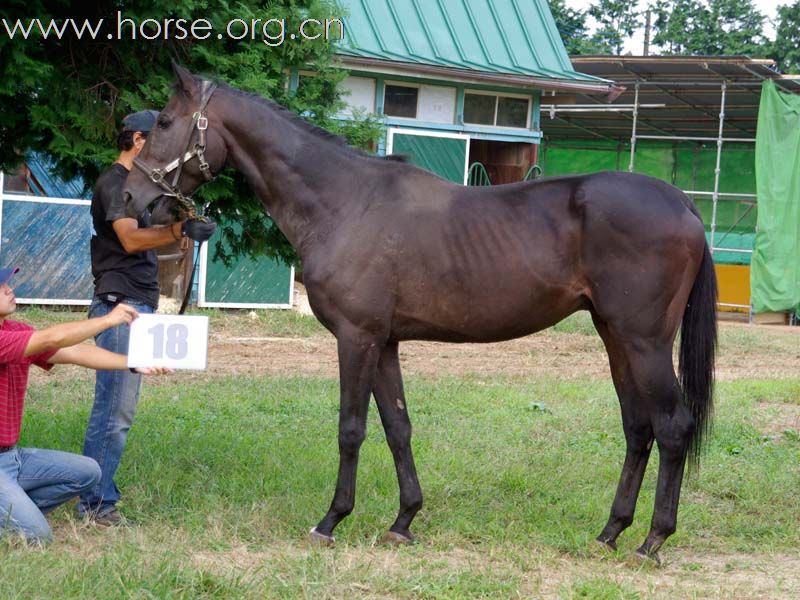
(195, 266)
(188, 293)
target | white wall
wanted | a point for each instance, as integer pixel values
(361, 94)
(437, 104)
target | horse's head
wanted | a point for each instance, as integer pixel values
(184, 150)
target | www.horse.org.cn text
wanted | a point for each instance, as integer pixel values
(271, 32)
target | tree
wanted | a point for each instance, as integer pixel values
(710, 27)
(64, 96)
(617, 20)
(676, 23)
(786, 48)
(571, 25)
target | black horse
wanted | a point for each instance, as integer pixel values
(391, 252)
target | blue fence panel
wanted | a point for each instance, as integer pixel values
(49, 242)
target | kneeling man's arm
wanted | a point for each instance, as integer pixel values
(93, 357)
(69, 334)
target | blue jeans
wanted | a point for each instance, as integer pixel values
(34, 482)
(116, 394)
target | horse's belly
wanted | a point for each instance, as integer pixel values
(499, 310)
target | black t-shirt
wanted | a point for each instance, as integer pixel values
(115, 271)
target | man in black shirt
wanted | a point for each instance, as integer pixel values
(125, 269)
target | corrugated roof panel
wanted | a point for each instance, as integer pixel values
(496, 36)
(436, 24)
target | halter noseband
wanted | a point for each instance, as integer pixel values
(157, 176)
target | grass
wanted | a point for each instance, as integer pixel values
(224, 477)
(242, 467)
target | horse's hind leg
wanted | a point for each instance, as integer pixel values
(358, 360)
(638, 438)
(658, 397)
(391, 401)
(673, 426)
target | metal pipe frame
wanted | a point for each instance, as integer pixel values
(716, 195)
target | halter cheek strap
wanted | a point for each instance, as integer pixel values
(157, 176)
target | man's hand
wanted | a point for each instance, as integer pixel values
(122, 315)
(198, 230)
(153, 370)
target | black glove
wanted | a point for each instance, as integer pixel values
(199, 231)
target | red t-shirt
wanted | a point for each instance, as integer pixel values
(14, 366)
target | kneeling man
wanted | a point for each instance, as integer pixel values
(35, 481)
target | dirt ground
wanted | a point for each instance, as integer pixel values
(746, 351)
(561, 355)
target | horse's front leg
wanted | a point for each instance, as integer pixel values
(391, 400)
(358, 360)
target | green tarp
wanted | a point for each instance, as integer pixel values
(775, 268)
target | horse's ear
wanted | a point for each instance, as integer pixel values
(186, 81)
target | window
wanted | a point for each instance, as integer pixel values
(400, 101)
(479, 108)
(512, 112)
(502, 111)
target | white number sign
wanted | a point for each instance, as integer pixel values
(171, 341)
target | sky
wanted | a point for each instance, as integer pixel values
(769, 8)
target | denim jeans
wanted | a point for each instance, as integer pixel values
(116, 395)
(33, 482)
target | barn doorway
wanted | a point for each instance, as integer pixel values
(504, 162)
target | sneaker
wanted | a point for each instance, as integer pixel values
(111, 517)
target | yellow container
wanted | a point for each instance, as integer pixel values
(734, 287)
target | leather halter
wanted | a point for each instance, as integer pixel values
(158, 176)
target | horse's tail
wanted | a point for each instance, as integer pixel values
(698, 346)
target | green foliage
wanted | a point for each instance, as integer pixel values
(786, 48)
(574, 30)
(710, 27)
(66, 97)
(571, 26)
(617, 20)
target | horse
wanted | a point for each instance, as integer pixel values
(391, 252)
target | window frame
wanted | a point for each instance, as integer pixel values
(404, 84)
(497, 96)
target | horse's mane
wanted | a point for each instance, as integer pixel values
(301, 123)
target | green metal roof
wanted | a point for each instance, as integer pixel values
(509, 37)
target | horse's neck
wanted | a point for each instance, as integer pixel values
(297, 175)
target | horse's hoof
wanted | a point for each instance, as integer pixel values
(320, 538)
(607, 545)
(396, 539)
(646, 558)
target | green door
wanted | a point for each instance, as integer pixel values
(442, 154)
(247, 283)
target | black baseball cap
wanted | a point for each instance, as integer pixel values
(143, 121)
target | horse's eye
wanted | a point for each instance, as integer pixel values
(164, 123)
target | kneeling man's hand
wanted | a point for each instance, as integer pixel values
(153, 370)
(122, 315)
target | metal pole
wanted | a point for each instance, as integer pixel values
(715, 196)
(633, 130)
(688, 138)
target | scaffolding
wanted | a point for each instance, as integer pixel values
(715, 194)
